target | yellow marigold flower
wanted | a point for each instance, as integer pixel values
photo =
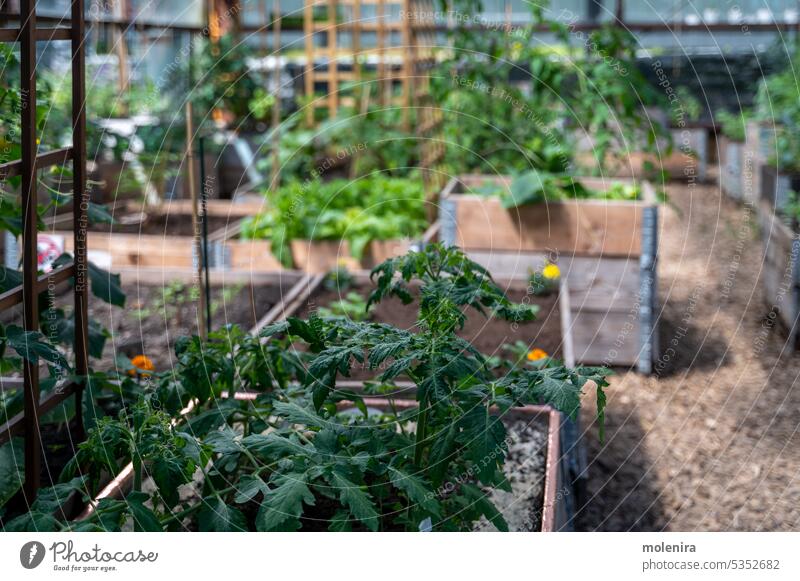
(537, 355)
(551, 272)
(142, 364)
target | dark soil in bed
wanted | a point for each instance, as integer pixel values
(150, 325)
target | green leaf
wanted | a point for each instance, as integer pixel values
(98, 214)
(224, 441)
(33, 521)
(106, 286)
(335, 359)
(341, 523)
(397, 367)
(481, 501)
(562, 394)
(248, 487)
(356, 500)
(65, 332)
(296, 414)
(416, 490)
(145, 519)
(216, 516)
(283, 505)
(169, 474)
(275, 445)
(51, 499)
(12, 469)
(32, 345)
(274, 329)
(442, 453)
(382, 351)
(483, 436)
(9, 279)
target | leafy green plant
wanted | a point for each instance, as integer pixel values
(371, 208)
(534, 186)
(223, 80)
(777, 103)
(690, 109)
(733, 124)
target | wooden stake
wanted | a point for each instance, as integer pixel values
(201, 320)
(275, 180)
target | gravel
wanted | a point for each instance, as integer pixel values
(712, 442)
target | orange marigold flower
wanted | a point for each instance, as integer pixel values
(142, 364)
(537, 355)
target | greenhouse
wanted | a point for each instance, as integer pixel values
(398, 266)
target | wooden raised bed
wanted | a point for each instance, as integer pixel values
(732, 166)
(134, 246)
(759, 146)
(557, 503)
(606, 250)
(780, 271)
(776, 186)
(555, 515)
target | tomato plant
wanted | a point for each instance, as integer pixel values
(291, 457)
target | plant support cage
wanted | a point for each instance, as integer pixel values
(33, 284)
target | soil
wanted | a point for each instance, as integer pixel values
(525, 470)
(488, 335)
(154, 335)
(711, 442)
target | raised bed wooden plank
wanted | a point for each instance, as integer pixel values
(589, 227)
(249, 255)
(138, 250)
(606, 228)
(780, 269)
(600, 338)
(731, 168)
(218, 208)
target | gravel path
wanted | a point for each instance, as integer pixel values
(712, 443)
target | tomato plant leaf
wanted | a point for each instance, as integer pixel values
(248, 487)
(296, 414)
(145, 519)
(416, 490)
(12, 466)
(216, 516)
(356, 500)
(283, 505)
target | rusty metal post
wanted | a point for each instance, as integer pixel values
(80, 204)
(30, 267)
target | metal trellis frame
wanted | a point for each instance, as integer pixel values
(26, 423)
